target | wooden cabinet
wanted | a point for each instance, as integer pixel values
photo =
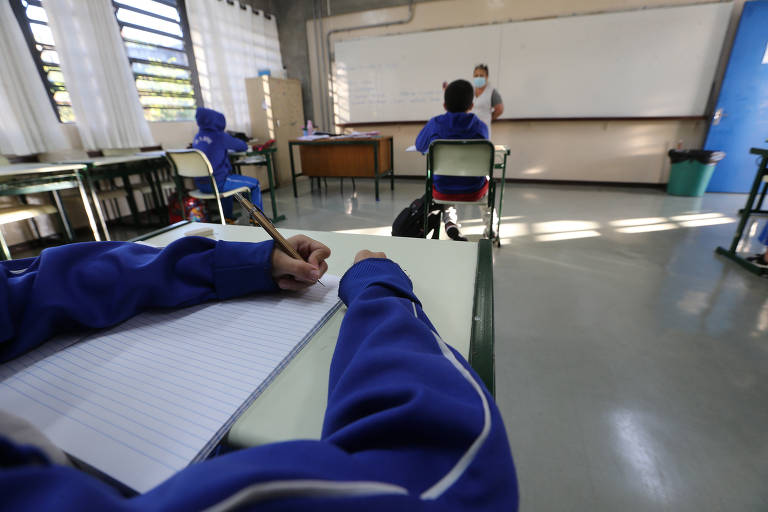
(277, 112)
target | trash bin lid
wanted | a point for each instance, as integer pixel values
(700, 155)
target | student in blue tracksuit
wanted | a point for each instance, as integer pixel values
(456, 123)
(216, 143)
(408, 426)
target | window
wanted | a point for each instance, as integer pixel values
(160, 54)
(34, 24)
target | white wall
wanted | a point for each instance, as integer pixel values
(615, 151)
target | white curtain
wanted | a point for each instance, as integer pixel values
(99, 79)
(28, 123)
(230, 45)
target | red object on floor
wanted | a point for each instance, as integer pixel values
(468, 196)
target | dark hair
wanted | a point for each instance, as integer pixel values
(483, 67)
(458, 96)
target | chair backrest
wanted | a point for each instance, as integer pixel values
(472, 157)
(190, 163)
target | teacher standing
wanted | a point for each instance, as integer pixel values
(488, 104)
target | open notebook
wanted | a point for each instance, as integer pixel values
(146, 398)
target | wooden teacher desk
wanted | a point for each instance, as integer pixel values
(461, 309)
(345, 157)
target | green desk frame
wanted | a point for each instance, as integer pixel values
(750, 208)
(51, 182)
(267, 153)
(124, 170)
(349, 141)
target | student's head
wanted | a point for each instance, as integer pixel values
(458, 96)
(209, 119)
(480, 75)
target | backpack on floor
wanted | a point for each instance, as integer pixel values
(194, 209)
(410, 222)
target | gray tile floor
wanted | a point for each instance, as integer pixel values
(632, 363)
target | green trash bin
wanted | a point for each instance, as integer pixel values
(691, 170)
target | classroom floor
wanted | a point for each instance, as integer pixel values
(631, 361)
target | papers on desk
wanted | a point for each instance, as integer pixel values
(313, 137)
(142, 400)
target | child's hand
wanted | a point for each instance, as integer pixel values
(291, 274)
(365, 254)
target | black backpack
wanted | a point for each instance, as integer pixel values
(410, 222)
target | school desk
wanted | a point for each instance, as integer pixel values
(122, 166)
(345, 157)
(251, 158)
(453, 280)
(35, 178)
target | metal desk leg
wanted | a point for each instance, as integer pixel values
(293, 169)
(87, 206)
(63, 215)
(97, 204)
(275, 216)
(501, 200)
(131, 200)
(4, 246)
(376, 166)
(748, 208)
(391, 164)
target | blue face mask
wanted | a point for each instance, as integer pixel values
(479, 81)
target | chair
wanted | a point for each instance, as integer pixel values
(469, 158)
(192, 163)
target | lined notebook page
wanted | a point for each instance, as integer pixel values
(143, 400)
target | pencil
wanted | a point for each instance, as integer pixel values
(270, 228)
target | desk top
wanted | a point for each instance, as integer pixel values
(443, 274)
(37, 168)
(101, 161)
(342, 139)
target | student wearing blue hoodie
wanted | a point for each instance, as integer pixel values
(408, 426)
(456, 123)
(216, 144)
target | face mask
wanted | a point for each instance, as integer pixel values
(479, 81)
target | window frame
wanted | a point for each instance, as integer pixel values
(188, 50)
(26, 29)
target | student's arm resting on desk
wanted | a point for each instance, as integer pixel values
(409, 426)
(100, 284)
(232, 143)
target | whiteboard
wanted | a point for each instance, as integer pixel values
(647, 63)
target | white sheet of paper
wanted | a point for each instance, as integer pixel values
(144, 399)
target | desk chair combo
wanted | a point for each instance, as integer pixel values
(192, 163)
(467, 158)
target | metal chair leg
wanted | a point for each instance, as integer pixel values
(4, 246)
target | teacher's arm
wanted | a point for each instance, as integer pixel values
(497, 105)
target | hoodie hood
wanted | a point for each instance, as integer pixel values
(456, 125)
(208, 119)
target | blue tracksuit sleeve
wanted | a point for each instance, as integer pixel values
(99, 284)
(233, 143)
(425, 136)
(408, 426)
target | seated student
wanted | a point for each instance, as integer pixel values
(216, 143)
(456, 123)
(408, 426)
(761, 260)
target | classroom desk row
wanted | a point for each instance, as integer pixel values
(84, 174)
